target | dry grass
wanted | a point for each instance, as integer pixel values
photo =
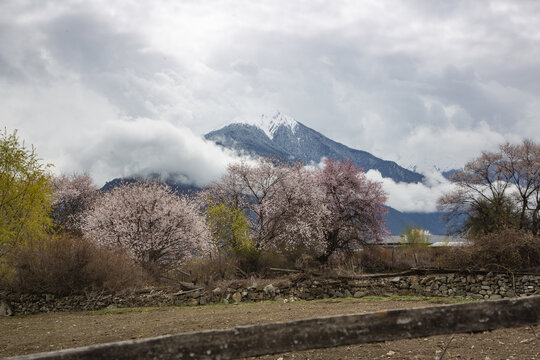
(67, 265)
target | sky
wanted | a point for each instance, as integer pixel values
(121, 87)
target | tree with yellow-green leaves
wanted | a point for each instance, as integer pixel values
(230, 228)
(25, 192)
(415, 235)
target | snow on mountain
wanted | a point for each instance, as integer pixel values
(270, 124)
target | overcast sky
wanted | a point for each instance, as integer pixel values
(116, 87)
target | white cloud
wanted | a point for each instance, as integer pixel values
(417, 197)
(145, 146)
(421, 83)
(77, 129)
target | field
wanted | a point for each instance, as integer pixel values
(45, 332)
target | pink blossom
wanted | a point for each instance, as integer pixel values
(73, 194)
(148, 219)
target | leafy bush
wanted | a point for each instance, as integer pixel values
(66, 265)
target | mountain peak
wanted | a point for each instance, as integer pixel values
(280, 136)
(270, 124)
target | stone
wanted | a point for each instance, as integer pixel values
(237, 297)
(5, 308)
(269, 289)
(217, 291)
(359, 294)
(347, 294)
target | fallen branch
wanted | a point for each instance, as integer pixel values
(285, 270)
(446, 347)
(182, 292)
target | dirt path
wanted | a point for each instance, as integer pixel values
(46, 332)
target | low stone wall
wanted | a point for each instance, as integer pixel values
(483, 286)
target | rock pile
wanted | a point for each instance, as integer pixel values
(475, 286)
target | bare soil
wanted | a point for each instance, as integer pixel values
(46, 332)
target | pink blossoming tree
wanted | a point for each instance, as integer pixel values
(280, 200)
(326, 210)
(73, 194)
(355, 207)
(154, 224)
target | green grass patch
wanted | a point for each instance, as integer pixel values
(120, 311)
(432, 299)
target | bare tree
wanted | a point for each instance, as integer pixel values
(497, 190)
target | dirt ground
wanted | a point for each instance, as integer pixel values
(45, 332)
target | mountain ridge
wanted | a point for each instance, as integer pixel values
(289, 140)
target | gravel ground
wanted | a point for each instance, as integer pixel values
(46, 332)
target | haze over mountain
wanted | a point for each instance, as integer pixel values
(282, 137)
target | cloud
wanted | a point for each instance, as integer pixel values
(420, 83)
(77, 130)
(416, 197)
(144, 147)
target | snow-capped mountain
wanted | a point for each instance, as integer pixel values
(283, 137)
(271, 124)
